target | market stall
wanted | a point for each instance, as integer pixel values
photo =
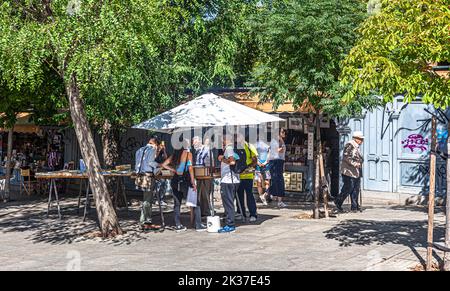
(35, 148)
(301, 144)
(57, 176)
(301, 147)
(207, 111)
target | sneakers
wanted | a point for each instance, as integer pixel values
(356, 210)
(146, 225)
(238, 216)
(339, 208)
(227, 229)
(252, 219)
(151, 227)
(201, 228)
(338, 211)
(281, 204)
(180, 228)
(264, 200)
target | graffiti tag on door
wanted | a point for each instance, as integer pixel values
(415, 141)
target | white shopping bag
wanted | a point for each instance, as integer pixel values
(191, 200)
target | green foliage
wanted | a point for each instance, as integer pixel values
(132, 59)
(197, 49)
(395, 50)
(302, 44)
(45, 102)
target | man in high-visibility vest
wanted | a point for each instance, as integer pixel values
(246, 178)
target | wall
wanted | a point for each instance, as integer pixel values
(131, 141)
(397, 146)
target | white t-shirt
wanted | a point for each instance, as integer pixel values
(263, 151)
(225, 170)
(274, 146)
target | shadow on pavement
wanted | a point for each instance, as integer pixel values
(419, 208)
(412, 234)
(31, 217)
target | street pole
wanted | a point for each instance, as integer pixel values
(431, 195)
(8, 165)
(447, 206)
(317, 170)
(323, 180)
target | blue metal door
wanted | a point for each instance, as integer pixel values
(413, 142)
(377, 150)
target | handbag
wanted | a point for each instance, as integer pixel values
(191, 199)
(183, 182)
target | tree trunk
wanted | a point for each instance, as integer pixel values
(317, 170)
(9, 165)
(110, 141)
(108, 222)
(316, 191)
(323, 181)
(431, 196)
(447, 208)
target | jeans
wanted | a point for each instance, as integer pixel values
(227, 192)
(351, 187)
(246, 186)
(204, 188)
(277, 188)
(146, 210)
(177, 199)
(161, 189)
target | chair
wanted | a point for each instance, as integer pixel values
(27, 183)
(3, 185)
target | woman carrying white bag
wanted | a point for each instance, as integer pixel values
(183, 185)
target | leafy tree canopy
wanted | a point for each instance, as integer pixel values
(132, 59)
(302, 44)
(396, 50)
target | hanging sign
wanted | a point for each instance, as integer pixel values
(310, 146)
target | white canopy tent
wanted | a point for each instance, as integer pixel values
(207, 110)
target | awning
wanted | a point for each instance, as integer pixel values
(24, 129)
(208, 110)
(23, 124)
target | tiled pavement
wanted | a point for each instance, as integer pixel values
(383, 237)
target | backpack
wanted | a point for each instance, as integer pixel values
(241, 164)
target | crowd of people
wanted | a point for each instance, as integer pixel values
(241, 163)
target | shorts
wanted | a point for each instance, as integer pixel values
(145, 182)
(261, 176)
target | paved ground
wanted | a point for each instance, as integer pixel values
(382, 238)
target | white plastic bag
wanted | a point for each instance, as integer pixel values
(191, 200)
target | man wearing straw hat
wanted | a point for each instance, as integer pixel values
(351, 171)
